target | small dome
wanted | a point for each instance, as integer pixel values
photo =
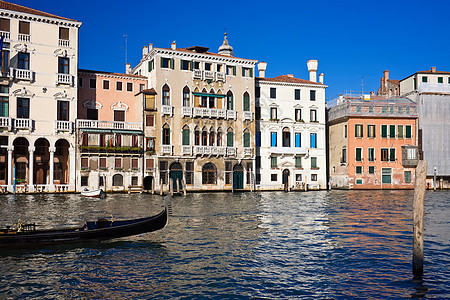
(226, 49)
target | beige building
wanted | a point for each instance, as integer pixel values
(38, 100)
(199, 118)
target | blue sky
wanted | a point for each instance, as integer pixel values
(351, 39)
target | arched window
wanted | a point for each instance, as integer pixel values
(197, 136)
(186, 96)
(204, 137)
(209, 174)
(117, 180)
(219, 138)
(212, 100)
(246, 102)
(166, 135)
(230, 104)
(204, 102)
(212, 138)
(246, 137)
(165, 95)
(230, 137)
(286, 137)
(186, 135)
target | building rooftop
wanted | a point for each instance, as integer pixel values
(288, 79)
(19, 8)
(111, 73)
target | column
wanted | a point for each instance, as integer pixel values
(72, 169)
(52, 169)
(31, 169)
(10, 164)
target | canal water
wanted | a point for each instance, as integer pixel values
(272, 245)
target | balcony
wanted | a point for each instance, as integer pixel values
(6, 122)
(23, 124)
(247, 115)
(64, 79)
(20, 74)
(288, 150)
(210, 150)
(248, 151)
(186, 111)
(208, 75)
(220, 76)
(231, 151)
(63, 43)
(166, 149)
(231, 114)
(167, 110)
(108, 125)
(6, 34)
(24, 37)
(63, 126)
(186, 150)
(110, 149)
(197, 74)
(410, 156)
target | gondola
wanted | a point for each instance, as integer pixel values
(102, 229)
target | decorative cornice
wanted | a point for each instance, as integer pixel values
(119, 105)
(63, 96)
(92, 104)
(63, 53)
(319, 86)
(37, 18)
(23, 92)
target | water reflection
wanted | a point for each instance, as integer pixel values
(340, 244)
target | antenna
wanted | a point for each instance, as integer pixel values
(362, 85)
(126, 48)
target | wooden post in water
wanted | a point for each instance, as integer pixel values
(153, 185)
(171, 187)
(161, 187)
(184, 186)
(419, 195)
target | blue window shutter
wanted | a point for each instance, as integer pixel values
(274, 139)
(313, 140)
(298, 140)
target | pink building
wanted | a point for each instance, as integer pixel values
(109, 130)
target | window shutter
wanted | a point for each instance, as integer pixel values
(230, 139)
(392, 154)
(243, 71)
(172, 63)
(246, 139)
(392, 131)
(384, 131)
(149, 66)
(251, 72)
(186, 137)
(297, 140)
(408, 131)
(234, 70)
(191, 65)
(162, 59)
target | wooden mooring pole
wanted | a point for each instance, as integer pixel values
(419, 195)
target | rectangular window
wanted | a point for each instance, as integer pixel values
(408, 131)
(386, 175)
(84, 163)
(91, 114)
(118, 85)
(297, 94)
(63, 33)
(358, 169)
(189, 173)
(247, 72)
(23, 108)
(92, 83)
(371, 131)
(424, 79)
(129, 86)
(400, 131)
(63, 111)
(384, 154)
(4, 106)
(298, 177)
(298, 162)
(273, 139)
(407, 176)
(313, 115)
(359, 130)
(231, 70)
(150, 102)
(84, 180)
(186, 65)
(298, 139)
(313, 140)
(273, 162)
(344, 156)
(230, 139)
(118, 163)
(165, 62)
(149, 120)
(80, 82)
(345, 131)
(119, 115)
(102, 162)
(273, 177)
(4, 24)
(163, 171)
(135, 163)
(149, 163)
(273, 113)
(246, 139)
(186, 135)
(359, 181)
(23, 62)
(63, 65)
(371, 154)
(384, 131)
(312, 95)
(298, 115)
(371, 170)
(313, 162)
(392, 131)
(313, 177)
(106, 84)
(207, 66)
(141, 87)
(273, 93)
(358, 154)
(392, 154)
(151, 65)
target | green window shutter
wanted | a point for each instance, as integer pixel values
(298, 162)
(234, 70)
(384, 131)
(313, 162)
(392, 154)
(243, 71)
(392, 131)
(191, 64)
(172, 63)
(358, 154)
(251, 72)
(246, 139)
(186, 137)
(162, 59)
(246, 103)
(230, 139)
(150, 66)
(408, 131)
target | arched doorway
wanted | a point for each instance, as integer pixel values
(41, 161)
(148, 181)
(176, 174)
(61, 162)
(285, 180)
(238, 177)
(21, 154)
(117, 180)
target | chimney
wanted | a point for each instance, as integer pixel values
(321, 78)
(433, 69)
(262, 69)
(144, 51)
(127, 68)
(312, 69)
(372, 94)
(386, 75)
(150, 47)
(173, 46)
(290, 75)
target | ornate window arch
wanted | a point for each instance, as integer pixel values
(230, 100)
(246, 101)
(165, 95)
(209, 173)
(186, 96)
(166, 134)
(186, 135)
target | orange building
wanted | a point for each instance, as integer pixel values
(372, 143)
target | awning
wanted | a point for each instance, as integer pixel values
(208, 95)
(100, 130)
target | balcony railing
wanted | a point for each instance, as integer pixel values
(63, 126)
(209, 75)
(248, 151)
(6, 122)
(247, 115)
(220, 76)
(166, 149)
(21, 74)
(186, 111)
(231, 114)
(109, 124)
(288, 150)
(111, 149)
(24, 37)
(197, 74)
(63, 43)
(64, 79)
(186, 150)
(167, 110)
(6, 34)
(23, 124)
(210, 150)
(211, 112)
(231, 151)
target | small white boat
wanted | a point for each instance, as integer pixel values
(94, 193)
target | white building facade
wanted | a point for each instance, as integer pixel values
(290, 126)
(38, 100)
